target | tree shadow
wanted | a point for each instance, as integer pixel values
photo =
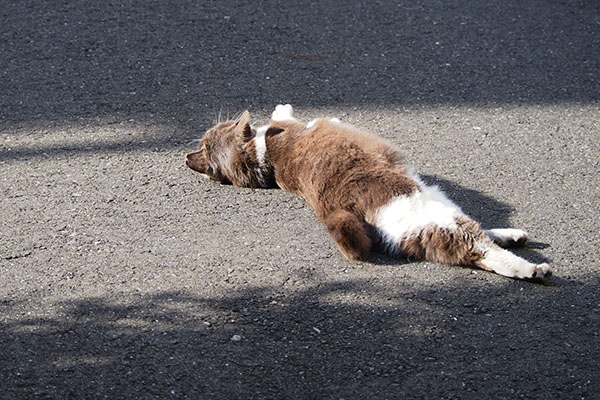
(326, 341)
(183, 62)
(179, 65)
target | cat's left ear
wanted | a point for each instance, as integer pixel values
(274, 130)
(242, 127)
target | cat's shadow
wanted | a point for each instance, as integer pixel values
(489, 212)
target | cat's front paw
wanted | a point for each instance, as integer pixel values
(283, 113)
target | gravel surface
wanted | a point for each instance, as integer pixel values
(123, 274)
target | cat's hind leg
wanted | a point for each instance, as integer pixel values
(455, 245)
(467, 244)
(505, 263)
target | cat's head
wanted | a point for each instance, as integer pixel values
(227, 154)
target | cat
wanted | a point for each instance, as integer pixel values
(360, 189)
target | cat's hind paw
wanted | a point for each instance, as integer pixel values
(508, 237)
(540, 272)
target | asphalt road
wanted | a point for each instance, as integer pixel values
(123, 274)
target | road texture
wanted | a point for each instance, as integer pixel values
(125, 275)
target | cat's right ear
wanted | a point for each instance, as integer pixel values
(243, 129)
(197, 162)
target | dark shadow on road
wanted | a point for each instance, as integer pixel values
(178, 64)
(489, 212)
(182, 61)
(335, 340)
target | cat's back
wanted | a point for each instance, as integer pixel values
(337, 164)
(345, 146)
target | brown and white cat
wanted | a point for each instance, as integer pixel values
(360, 188)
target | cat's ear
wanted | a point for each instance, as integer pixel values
(244, 118)
(243, 129)
(273, 130)
(197, 162)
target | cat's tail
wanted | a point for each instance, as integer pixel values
(349, 233)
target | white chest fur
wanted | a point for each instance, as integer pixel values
(261, 145)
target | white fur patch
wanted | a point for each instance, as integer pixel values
(507, 236)
(408, 215)
(317, 120)
(283, 113)
(261, 144)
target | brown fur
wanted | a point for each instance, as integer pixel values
(447, 246)
(337, 168)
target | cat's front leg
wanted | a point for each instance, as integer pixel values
(316, 120)
(348, 231)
